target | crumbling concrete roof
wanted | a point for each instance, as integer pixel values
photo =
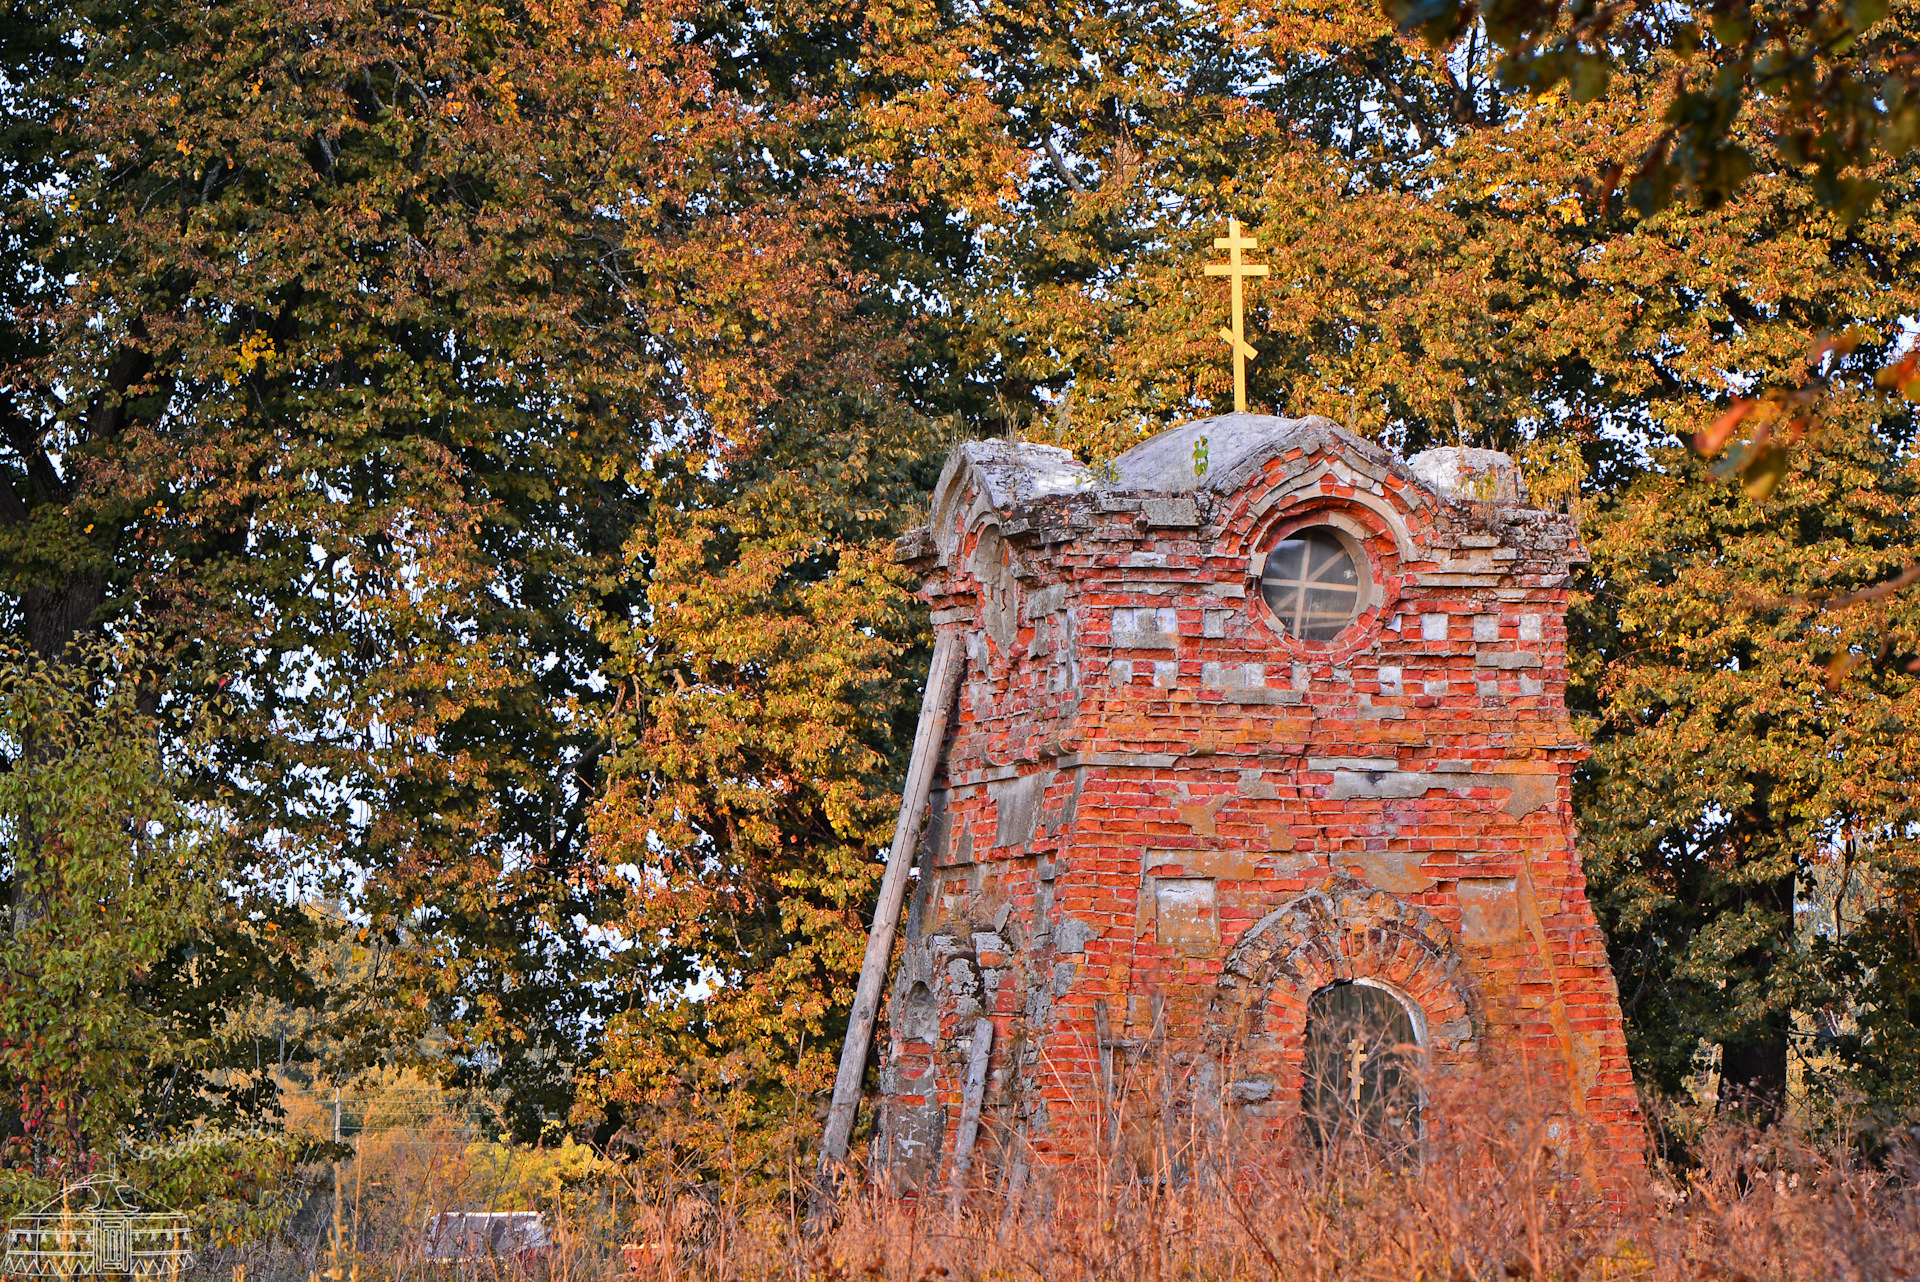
(1004, 475)
(1482, 475)
(1236, 446)
(1012, 472)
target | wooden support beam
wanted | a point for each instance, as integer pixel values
(949, 661)
(970, 1102)
(1103, 1047)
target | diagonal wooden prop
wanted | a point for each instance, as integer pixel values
(942, 679)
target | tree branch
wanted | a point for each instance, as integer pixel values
(1060, 163)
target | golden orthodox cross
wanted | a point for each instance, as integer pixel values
(1357, 1052)
(1233, 242)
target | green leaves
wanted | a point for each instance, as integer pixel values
(111, 876)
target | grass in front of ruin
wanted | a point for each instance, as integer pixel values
(1496, 1194)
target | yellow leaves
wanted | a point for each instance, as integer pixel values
(1554, 468)
(1783, 417)
(1569, 212)
(248, 353)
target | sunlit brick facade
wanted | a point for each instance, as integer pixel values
(1166, 821)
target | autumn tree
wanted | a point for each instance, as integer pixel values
(1755, 762)
(768, 709)
(359, 334)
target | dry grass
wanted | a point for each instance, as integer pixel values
(1495, 1195)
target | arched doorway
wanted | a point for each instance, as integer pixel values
(1361, 1088)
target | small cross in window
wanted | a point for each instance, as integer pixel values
(1357, 1052)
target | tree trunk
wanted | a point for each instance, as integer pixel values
(1753, 1072)
(1753, 1065)
(55, 615)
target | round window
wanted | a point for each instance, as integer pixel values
(1313, 584)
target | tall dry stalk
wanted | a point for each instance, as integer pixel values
(1171, 1192)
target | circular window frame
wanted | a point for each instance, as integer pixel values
(1353, 538)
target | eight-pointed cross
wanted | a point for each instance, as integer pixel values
(1233, 242)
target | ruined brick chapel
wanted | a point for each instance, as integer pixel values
(1254, 765)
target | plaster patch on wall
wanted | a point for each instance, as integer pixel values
(1185, 915)
(1224, 865)
(915, 1133)
(919, 1018)
(1016, 805)
(1044, 601)
(1063, 973)
(1066, 672)
(1489, 910)
(1072, 934)
(1253, 783)
(1529, 793)
(999, 589)
(1401, 785)
(1180, 510)
(1233, 676)
(1197, 815)
(1145, 629)
(1395, 870)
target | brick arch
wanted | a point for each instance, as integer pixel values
(1342, 930)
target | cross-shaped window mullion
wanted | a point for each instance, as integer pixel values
(1302, 572)
(1296, 596)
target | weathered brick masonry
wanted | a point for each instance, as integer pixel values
(1165, 822)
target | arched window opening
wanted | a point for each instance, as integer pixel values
(1361, 1089)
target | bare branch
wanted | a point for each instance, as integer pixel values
(1060, 163)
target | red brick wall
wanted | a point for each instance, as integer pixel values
(1166, 821)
